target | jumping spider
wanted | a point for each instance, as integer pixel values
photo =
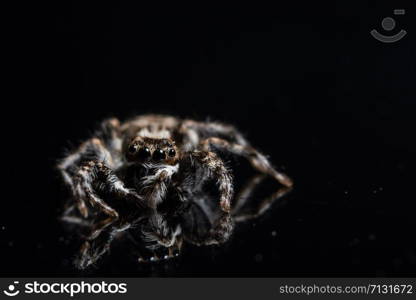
(147, 175)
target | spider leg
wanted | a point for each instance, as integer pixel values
(90, 252)
(256, 159)
(84, 185)
(213, 168)
(231, 139)
(93, 249)
(246, 192)
(95, 246)
(88, 170)
(155, 186)
(109, 134)
(264, 205)
(207, 165)
(220, 231)
(216, 229)
(70, 216)
(192, 130)
(98, 227)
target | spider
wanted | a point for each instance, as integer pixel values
(127, 173)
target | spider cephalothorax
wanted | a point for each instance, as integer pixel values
(153, 161)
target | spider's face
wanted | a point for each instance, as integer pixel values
(150, 150)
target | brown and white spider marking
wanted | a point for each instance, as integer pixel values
(168, 155)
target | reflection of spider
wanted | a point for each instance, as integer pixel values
(149, 163)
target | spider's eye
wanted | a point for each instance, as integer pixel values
(143, 153)
(172, 152)
(159, 154)
(132, 149)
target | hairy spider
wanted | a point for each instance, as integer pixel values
(146, 173)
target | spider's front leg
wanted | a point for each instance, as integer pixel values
(212, 167)
(91, 177)
(88, 171)
(198, 167)
(155, 186)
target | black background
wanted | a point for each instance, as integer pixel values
(307, 84)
